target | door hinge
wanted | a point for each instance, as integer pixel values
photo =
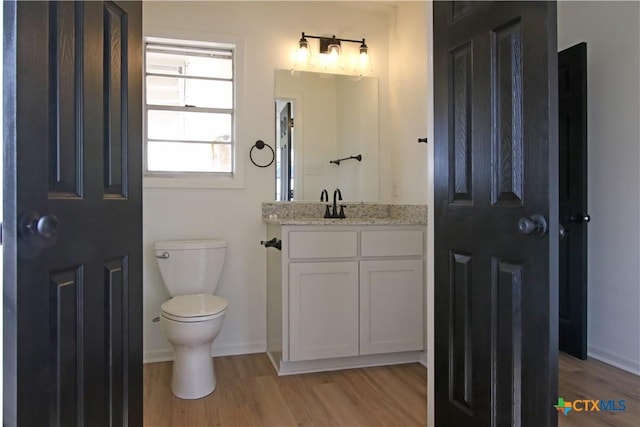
(291, 122)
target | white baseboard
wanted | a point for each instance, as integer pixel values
(166, 355)
(156, 356)
(274, 357)
(239, 348)
(423, 358)
(622, 362)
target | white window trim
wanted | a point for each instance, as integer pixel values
(205, 180)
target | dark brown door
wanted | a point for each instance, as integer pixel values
(572, 104)
(496, 284)
(286, 161)
(72, 211)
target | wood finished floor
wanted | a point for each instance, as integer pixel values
(249, 393)
(595, 380)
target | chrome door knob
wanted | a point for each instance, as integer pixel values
(536, 224)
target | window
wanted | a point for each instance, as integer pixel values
(189, 109)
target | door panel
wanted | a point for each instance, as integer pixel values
(506, 139)
(73, 162)
(459, 318)
(115, 57)
(116, 284)
(461, 177)
(507, 284)
(65, 294)
(65, 139)
(495, 166)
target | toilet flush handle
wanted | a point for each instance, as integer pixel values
(163, 255)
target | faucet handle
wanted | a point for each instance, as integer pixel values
(327, 214)
(341, 215)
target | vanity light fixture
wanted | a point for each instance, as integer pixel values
(303, 54)
(331, 46)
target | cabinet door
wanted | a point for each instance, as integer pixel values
(323, 310)
(391, 306)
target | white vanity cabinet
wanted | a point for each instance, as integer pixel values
(322, 319)
(391, 296)
(344, 296)
(391, 290)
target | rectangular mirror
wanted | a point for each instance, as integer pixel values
(322, 119)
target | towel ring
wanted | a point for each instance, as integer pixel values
(260, 144)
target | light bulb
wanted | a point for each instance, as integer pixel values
(364, 62)
(303, 52)
(333, 51)
(364, 57)
(302, 55)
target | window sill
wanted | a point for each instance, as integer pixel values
(193, 182)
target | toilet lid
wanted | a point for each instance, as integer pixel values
(197, 305)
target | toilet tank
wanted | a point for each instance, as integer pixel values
(190, 266)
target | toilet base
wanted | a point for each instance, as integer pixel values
(193, 374)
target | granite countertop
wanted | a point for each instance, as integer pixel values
(343, 221)
(311, 213)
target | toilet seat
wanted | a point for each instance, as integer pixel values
(194, 308)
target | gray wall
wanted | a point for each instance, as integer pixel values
(612, 33)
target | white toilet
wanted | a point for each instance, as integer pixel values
(193, 317)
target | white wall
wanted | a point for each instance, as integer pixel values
(410, 96)
(357, 111)
(269, 31)
(411, 109)
(612, 33)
